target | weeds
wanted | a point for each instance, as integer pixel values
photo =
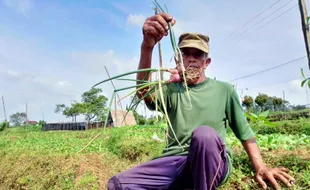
(44, 160)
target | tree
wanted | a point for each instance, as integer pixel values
(277, 102)
(59, 108)
(72, 111)
(286, 106)
(247, 102)
(299, 107)
(68, 111)
(261, 100)
(92, 106)
(18, 118)
(269, 105)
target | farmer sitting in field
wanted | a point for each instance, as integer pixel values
(197, 158)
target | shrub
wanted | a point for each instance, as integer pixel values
(4, 125)
(125, 143)
(41, 122)
(151, 121)
(293, 115)
(301, 126)
(141, 121)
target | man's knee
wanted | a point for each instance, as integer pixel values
(114, 184)
(205, 135)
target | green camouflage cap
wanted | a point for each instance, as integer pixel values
(194, 40)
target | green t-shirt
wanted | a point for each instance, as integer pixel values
(213, 103)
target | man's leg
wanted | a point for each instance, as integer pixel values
(155, 174)
(207, 158)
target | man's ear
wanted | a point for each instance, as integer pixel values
(207, 63)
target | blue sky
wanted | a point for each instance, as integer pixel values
(53, 51)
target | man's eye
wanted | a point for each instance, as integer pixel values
(198, 54)
(185, 53)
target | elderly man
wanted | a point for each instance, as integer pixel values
(198, 158)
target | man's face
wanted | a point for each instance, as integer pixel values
(195, 61)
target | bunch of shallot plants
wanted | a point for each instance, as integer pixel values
(177, 75)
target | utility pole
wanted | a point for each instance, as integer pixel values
(26, 115)
(305, 26)
(284, 103)
(42, 113)
(4, 111)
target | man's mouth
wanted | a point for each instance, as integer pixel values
(194, 66)
(192, 73)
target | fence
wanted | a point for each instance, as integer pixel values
(73, 126)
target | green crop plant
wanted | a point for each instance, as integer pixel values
(305, 79)
(260, 119)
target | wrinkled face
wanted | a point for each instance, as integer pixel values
(195, 62)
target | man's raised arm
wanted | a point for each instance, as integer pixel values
(154, 29)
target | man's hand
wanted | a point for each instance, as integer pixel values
(263, 172)
(155, 28)
(273, 174)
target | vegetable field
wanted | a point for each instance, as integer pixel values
(33, 159)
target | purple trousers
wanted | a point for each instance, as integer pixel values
(204, 168)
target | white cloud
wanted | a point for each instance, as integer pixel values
(136, 20)
(95, 62)
(37, 91)
(295, 86)
(178, 29)
(64, 88)
(121, 7)
(21, 6)
(44, 85)
(12, 74)
(110, 17)
(61, 84)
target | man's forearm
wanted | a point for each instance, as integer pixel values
(254, 153)
(145, 61)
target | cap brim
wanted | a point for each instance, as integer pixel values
(194, 45)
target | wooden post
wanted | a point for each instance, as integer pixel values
(4, 111)
(305, 26)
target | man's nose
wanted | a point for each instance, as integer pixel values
(191, 58)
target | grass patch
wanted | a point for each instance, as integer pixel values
(33, 159)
